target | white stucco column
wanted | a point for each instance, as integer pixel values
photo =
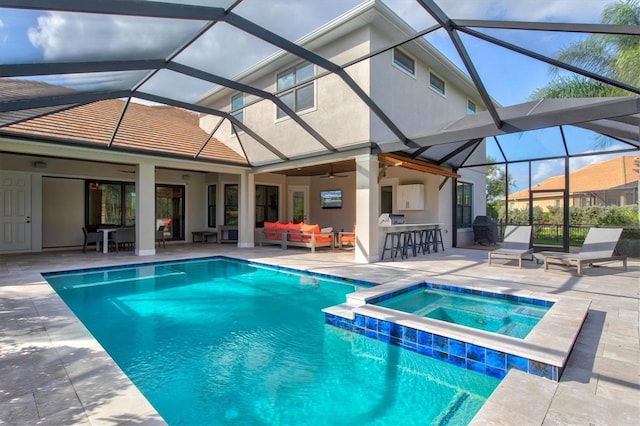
(367, 207)
(246, 210)
(145, 209)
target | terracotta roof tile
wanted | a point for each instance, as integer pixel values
(614, 173)
(153, 129)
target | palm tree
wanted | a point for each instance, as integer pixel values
(616, 56)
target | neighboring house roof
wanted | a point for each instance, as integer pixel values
(165, 130)
(618, 172)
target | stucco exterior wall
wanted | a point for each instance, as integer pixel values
(339, 115)
(409, 99)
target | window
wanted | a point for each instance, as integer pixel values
(471, 107)
(266, 204)
(114, 204)
(237, 102)
(110, 203)
(464, 204)
(436, 83)
(211, 215)
(231, 204)
(300, 97)
(404, 61)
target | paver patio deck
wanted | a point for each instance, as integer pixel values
(53, 372)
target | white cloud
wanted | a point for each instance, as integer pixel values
(526, 10)
(63, 36)
(3, 37)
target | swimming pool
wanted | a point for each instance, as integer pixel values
(221, 341)
(510, 317)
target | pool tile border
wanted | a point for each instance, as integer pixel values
(457, 289)
(360, 283)
(463, 354)
(542, 353)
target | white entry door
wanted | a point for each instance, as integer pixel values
(15, 211)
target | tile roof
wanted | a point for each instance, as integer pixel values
(610, 174)
(165, 130)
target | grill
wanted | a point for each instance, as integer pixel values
(485, 230)
(387, 219)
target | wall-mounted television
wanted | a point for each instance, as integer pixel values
(331, 199)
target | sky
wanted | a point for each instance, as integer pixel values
(27, 36)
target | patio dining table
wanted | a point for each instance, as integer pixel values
(105, 238)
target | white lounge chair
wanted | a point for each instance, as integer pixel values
(516, 244)
(599, 246)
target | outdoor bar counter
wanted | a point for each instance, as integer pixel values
(402, 227)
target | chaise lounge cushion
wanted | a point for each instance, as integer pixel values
(293, 230)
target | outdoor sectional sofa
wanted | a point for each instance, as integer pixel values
(295, 235)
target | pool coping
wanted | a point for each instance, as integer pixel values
(549, 343)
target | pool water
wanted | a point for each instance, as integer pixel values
(220, 341)
(508, 317)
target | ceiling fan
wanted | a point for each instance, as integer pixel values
(332, 175)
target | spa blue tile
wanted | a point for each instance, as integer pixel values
(457, 360)
(442, 356)
(395, 341)
(475, 353)
(495, 372)
(425, 338)
(426, 351)
(385, 338)
(396, 331)
(371, 333)
(476, 366)
(517, 362)
(347, 325)
(457, 348)
(371, 323)
(541, 369)
(410, 335)
(440, 343)
(495, 359)
(359, 320)
(384, 327)
(409, 345)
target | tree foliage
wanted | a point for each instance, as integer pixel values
(616, 56)
(497, 186)
(585, 216)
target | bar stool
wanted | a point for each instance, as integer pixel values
(437, 239)
(421, 238)
(392, 244)
(408, 242)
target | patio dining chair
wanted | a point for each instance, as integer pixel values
(160, 237)
(124, 237)
(516, 245)
(90, 238)
(599, 246)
